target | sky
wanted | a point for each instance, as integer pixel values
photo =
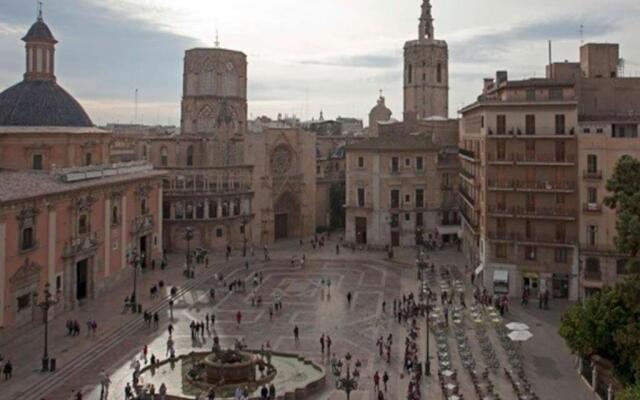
(304, 56)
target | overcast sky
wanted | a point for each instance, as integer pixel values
(304, 55)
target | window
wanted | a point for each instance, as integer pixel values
(360, 162)
(395, 198)
(482, 121)
(561, 255)
(556, 94)
(190, 156)
(59, 281)
(531, 95)
(219, 232)
(164, 159)
(36, 161)
(115, 216)
(592, 268)
(419, 219)
(144, 152)
(407, 198)
(394, 164)
(143, 207)
(501, 122)
(530, 124)
(166, 210)
(592, 195)
(407, 217)
(419, 163)
(559, 199)
(501, 250)
(560, 124)
(361, 198)
(439, 73)
(586, 130)
(213, 209)
(592, 235)
(395, 220)
(407, 162)
(87, 159)
(409, 73)
(561, 155)
(445, 181)
(592, 163)
(501, 149)
(530, 253)
(189, 211)
(419, 198)
(200, 210)
(27, 239)
(622, 266)
(83, 224)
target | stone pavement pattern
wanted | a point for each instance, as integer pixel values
(315, 309)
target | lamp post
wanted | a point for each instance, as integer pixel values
(425, 292)
(45, 305)
(188, 235)
(134, 257)
(349, 382)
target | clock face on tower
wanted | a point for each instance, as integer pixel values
(229, 66)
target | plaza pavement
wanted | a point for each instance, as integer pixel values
(369, 276)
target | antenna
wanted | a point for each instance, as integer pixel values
(135, 107)
(217, 42)
(550, 58)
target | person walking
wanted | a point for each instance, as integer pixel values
(376, 381)
(272, 392)
(322, 344)
(156, 320)
(385, 380)
(328, 344)
(104, 385)
(296, 333)
(380, 395)
(349, 298)
(238, 318)
(264, 393)
(163, 391)
(7, 370)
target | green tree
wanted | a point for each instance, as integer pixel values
(337, 200)
(630, 393)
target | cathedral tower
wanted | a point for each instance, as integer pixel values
(426, 72)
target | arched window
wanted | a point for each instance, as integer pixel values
(409, 73)
(115, 217)
(27, 241)
(164, 160)
(190, 156)
(439, 72)
(87, 159)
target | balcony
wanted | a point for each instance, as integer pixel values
(546, 240)
(593, 275)
(468, 155)
(501, 210)
(560, 213)
(592, 174)
(473, 227)
(546, 186)
(469, 177)
(522, 133)
(501, 236)
(498, 186)
(593, 208)
(501, 159)
(545, 159)
(465, 196)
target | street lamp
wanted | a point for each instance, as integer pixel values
(134, 258)
(348, 382)
(45, 305)
(188, 235)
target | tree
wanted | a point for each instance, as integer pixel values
(624, 187)
(337, 200)
(630, 393)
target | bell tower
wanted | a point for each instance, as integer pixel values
(40, 48)
(426, 72)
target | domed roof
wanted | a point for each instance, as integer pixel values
(39, 31)
(40, 103)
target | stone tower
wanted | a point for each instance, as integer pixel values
(214, 102)
(426, 72)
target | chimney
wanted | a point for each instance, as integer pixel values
(488, 83)
(501, 76)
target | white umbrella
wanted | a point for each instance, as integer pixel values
(520, 336)
(517, 326)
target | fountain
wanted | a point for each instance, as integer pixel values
(223, 371)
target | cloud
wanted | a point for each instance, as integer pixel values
(484, 45)
(374, 60)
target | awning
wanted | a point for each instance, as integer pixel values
(479, 269)
(448, 229)
(501, 276)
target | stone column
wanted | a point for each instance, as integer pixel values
(3, 292)
(51, 247)
(206, 209)
(107, 237)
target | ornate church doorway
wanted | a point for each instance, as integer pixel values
(287, 221)
(82, 275)
(281, 230)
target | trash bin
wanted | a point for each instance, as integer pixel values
(52, 365)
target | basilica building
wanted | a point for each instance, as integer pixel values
(70, 220)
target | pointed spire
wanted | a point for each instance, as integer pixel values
(426, 30)
(39, 11)
(217, 42)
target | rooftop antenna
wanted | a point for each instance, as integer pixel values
(135, 107)
(550, 58)
(217, 42)
(39, 11)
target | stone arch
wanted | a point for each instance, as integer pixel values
(287, 216)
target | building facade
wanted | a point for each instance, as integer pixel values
(69, 218)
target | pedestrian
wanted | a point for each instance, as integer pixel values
(385, 380)
(163, 391)
(156, 320)
(322, 344)
(145, 350)
(7, 370)
(238, 318)
(296, 333)
(384, 306)
(264, 392)
(104, 385)
(376, 381)
(337, 248)
(128, 392)
(272, 392)
(328, 344)
(349, 298)
(380, 395)
(170, 329)
(171, 308)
